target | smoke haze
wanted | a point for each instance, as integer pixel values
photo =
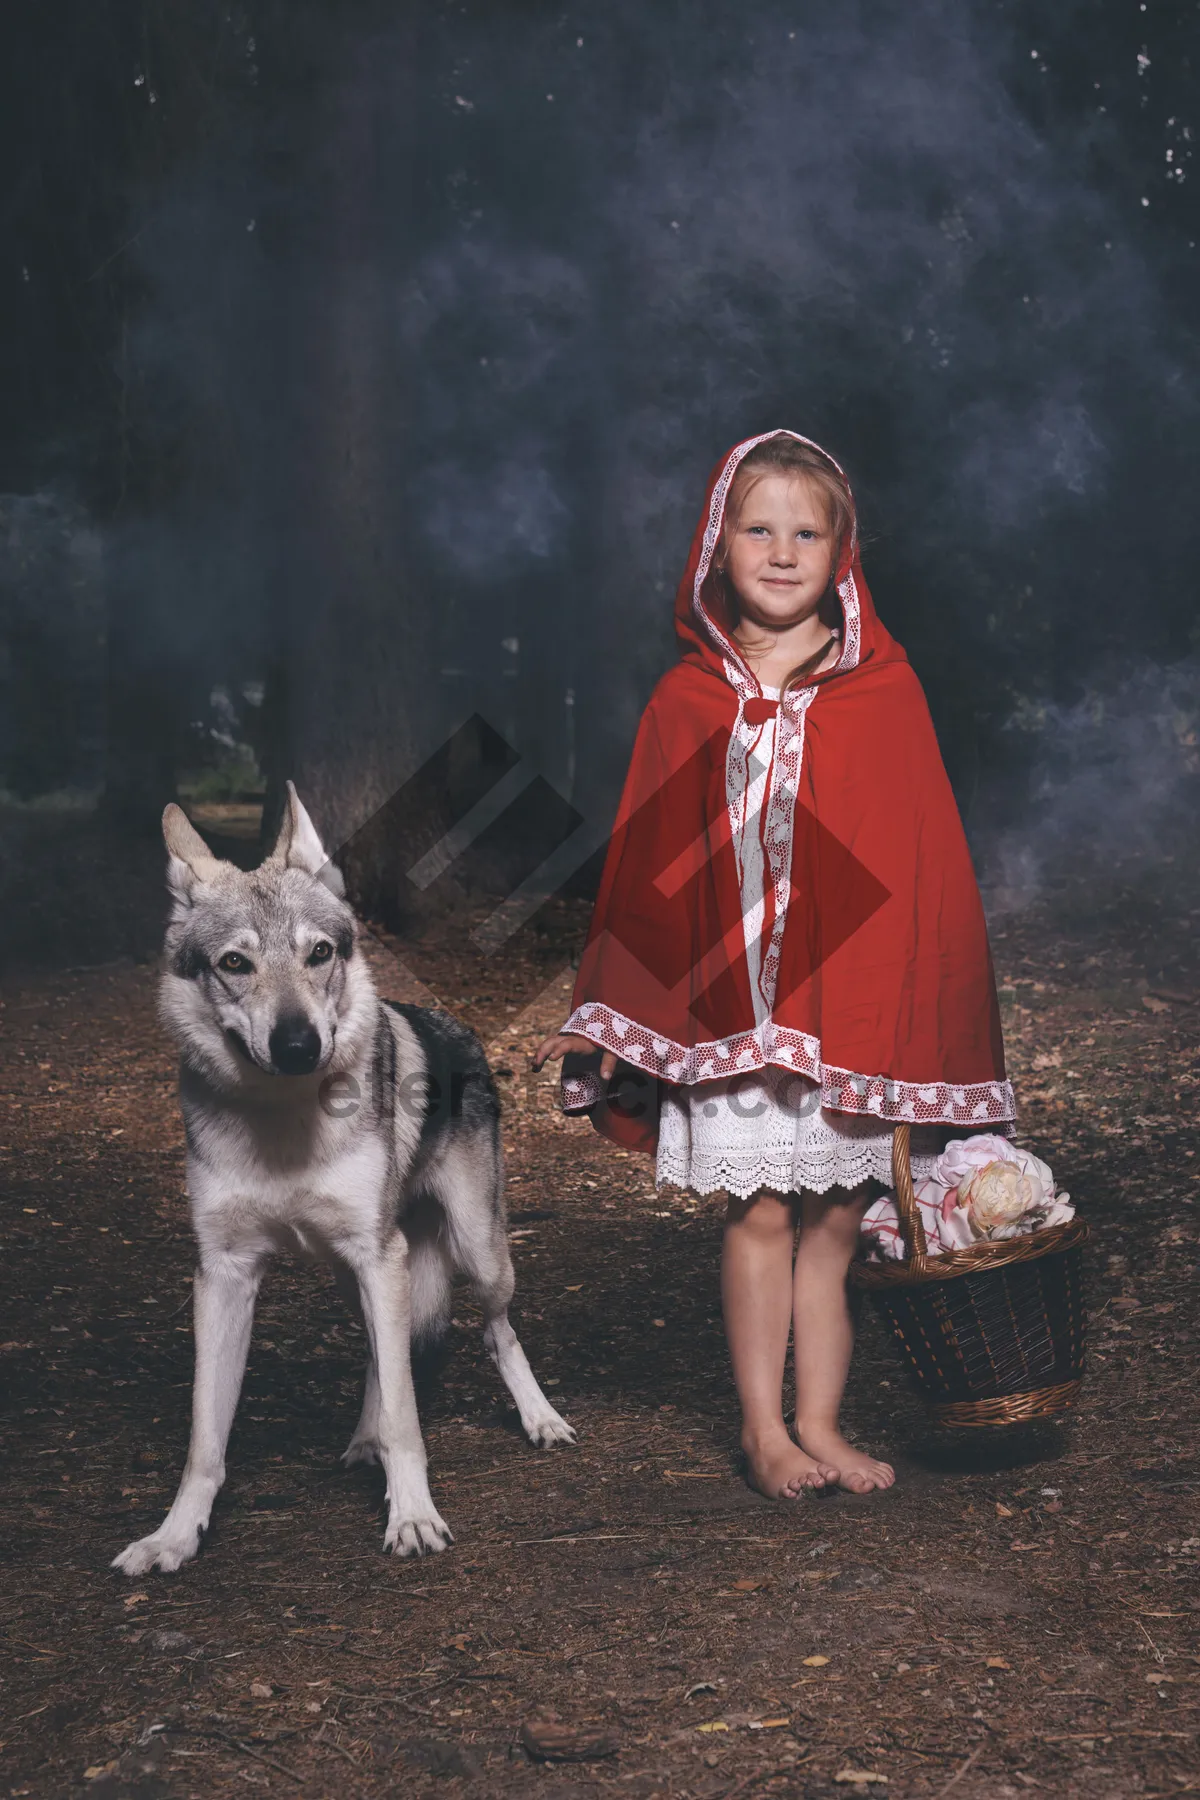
(454, 317)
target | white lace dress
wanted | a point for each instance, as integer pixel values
(767, 1128)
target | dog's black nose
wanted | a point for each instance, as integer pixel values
(295, 1046)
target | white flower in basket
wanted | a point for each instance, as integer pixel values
(981, 1187)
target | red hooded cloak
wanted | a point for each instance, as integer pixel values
(874, 973)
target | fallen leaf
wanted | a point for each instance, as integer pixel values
(746, 1587)
(132, 1600)
(661, 1323)
(997, 1662)
(1157, 1678)
(578, 1289)
(815, 1662)
(1153, 1004)
(1003, 1512)
(459, 1642)
(261, 1690)
(860, 1777)
(713, 1725)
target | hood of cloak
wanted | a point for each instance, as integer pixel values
(869, 971)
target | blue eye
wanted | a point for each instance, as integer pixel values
(808, 536)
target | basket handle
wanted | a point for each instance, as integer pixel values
(911, 1228)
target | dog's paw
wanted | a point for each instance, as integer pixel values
(418, 1537)
(548, 1429)
(161, 1550)
(360, 1450)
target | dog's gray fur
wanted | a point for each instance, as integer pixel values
(322, 1119)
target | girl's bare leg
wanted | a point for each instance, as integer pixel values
(756, 1292)
(824, 1336)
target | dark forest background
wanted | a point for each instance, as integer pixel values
(362, 366)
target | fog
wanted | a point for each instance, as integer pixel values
(445, 322)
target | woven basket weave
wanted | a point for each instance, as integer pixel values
(993, 1334)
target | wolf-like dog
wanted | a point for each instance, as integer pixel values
(322, 1119)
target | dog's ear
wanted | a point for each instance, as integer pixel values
(189, 859)
(299, 847)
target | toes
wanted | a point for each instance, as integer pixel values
(868, 1480)
(418, 1537)
(545, 1433)
(152, 1552)
(805, 1481)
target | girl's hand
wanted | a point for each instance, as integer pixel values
(565, 1043)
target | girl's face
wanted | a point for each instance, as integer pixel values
(779, 556)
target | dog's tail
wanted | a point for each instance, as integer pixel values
(430, 1276)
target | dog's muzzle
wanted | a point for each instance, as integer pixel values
(295, 1046)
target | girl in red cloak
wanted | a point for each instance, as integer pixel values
(788, 952)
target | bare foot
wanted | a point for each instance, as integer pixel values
(857, 1472)
(781, 1470)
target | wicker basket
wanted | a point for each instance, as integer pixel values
(995, 1333)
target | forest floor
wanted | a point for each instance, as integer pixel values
(1018, 1615)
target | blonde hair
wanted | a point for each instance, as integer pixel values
(788, 456)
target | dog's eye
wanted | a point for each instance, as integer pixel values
(234, 963)
(321, 951)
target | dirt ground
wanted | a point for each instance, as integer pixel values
(1018, 1615)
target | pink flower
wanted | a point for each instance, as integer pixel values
(980, 1187)
(996, 1198)
(964, 1157)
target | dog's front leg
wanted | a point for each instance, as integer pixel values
(414, 1525)
(223, 1312)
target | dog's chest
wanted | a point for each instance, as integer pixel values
(321, 1202)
